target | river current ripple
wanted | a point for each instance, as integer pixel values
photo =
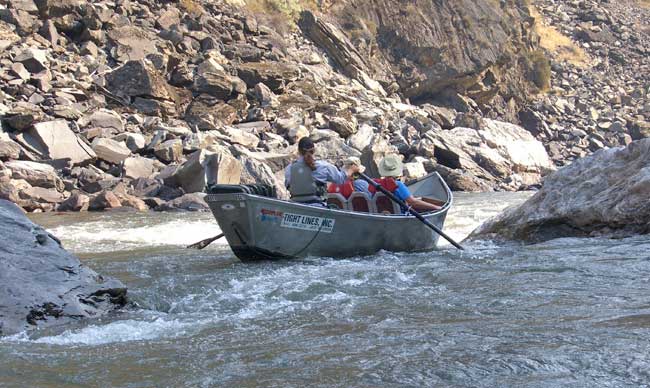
(567, 312)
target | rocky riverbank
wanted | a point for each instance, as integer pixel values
(41, 283)
(601, 77)
(128, 104)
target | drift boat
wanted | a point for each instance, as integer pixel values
(258, 226)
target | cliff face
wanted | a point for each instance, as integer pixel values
(431, 47)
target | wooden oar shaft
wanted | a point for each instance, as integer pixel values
(204, 243)
(417, 215)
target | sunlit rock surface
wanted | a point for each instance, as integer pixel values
(603, 194)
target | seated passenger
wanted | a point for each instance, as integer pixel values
(349, 186)
(306, 178)
(390, 168)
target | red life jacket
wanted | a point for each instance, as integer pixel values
(344, 189)
(387, 183)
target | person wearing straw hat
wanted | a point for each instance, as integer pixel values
(391, 170)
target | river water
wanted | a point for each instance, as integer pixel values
(568, 312)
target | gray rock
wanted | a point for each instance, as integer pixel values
(41, 284)
(138, 167)
(104, 118)
(169, 151)
(24, 5)
(34, 60)
(495, 152)
(240, 136)
(104, 200)
(374, 152)
(110, 150)
(134, 141)
(265, 96)
(18, 69)
(362, 138)
(9, 149)
(275, 75)
(202, 168)
(36, 174)
(77, 202)
(131, 43)
(23, 116)
(213, 80)
(187, 202)
(344, 127)
(24, 22)
(255, 172)
(603, 194)
(55, 140)
(138, 78)
(41, 195)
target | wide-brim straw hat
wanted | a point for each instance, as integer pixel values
(354, 161)
(391, 166)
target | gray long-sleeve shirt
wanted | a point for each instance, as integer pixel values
(327, 172)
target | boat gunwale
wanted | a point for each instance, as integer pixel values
(383, 217)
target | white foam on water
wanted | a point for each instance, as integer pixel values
(111, 235)
(120, 331)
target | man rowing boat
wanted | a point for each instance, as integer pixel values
(307, 178)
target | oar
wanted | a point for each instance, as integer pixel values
(204, 243)
(417, 215)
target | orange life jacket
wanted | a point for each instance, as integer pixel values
(344, 189)
(387, 183)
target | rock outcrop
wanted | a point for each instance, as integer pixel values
(432, 50)
(602, 194)
(41, 284)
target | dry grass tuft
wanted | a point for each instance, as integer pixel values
(282, 14)
(191, 7)
(560, 46)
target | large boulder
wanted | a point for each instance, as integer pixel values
(502, 154)
(138, 167)
(605, 193)
(36, 174)
(204, 167)
(255, 172)
(186, 202)
(210, 113)
(275, 75)
(374, 152)
(111, 150)
(212, 79)
(9, 149)
(54, 140)
(139, 79)
(131, 43)
(41, 284)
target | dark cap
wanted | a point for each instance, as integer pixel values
(306, 143)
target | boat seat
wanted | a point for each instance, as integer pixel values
(360, 202)
(383, 204)
(337, 201)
